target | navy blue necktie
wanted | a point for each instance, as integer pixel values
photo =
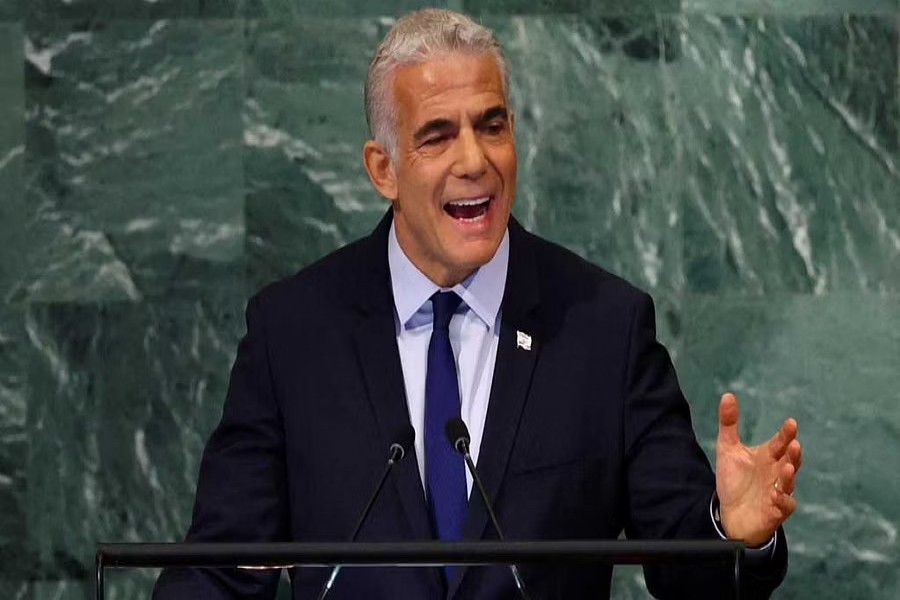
(445, 471)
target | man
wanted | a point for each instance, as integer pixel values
(578, 426)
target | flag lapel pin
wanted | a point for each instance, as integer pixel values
(523, 340)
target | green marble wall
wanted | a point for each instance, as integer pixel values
(160, 160)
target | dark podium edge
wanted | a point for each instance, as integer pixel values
(294, 554)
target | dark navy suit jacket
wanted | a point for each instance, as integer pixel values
(587, 434)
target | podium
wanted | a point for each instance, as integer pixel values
(424, 554)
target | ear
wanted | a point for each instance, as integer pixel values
(380, 169)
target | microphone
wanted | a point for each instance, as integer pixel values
(458, 435)
(397, 450)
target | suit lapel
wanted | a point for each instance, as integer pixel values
(379, 360)
(510, 384)
(383, 374)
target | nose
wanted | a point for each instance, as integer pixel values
(470, 162)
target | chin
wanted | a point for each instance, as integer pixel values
(478, 257)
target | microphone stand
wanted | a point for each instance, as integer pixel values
(397, 453)
(459, 437)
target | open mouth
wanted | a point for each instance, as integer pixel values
(468, 210)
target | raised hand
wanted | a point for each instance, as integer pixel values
(755, 484)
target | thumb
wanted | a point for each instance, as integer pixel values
(728, 420)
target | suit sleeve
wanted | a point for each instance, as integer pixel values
(669, 481)
(241, 492)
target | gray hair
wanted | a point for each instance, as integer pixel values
(415, 38)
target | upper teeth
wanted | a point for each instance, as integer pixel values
(472, 202)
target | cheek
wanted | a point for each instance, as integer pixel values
(512, 161)
(426, 179)
(505, 162)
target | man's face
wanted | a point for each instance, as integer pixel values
(456, 164)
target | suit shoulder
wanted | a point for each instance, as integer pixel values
(330, 281)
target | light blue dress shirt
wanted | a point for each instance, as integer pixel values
(475, 326)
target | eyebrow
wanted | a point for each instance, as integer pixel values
(442, 125)
(494, 113)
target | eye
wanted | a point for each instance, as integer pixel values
(434, 141)
(495, 127)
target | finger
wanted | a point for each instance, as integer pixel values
(795, 454)
(786, 479)
(785, 504)
(728, 420)
(784, 436)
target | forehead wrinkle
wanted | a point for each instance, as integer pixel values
(427, 86)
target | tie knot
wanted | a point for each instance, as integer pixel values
(444, 305)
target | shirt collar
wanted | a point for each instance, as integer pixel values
(482, 291)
